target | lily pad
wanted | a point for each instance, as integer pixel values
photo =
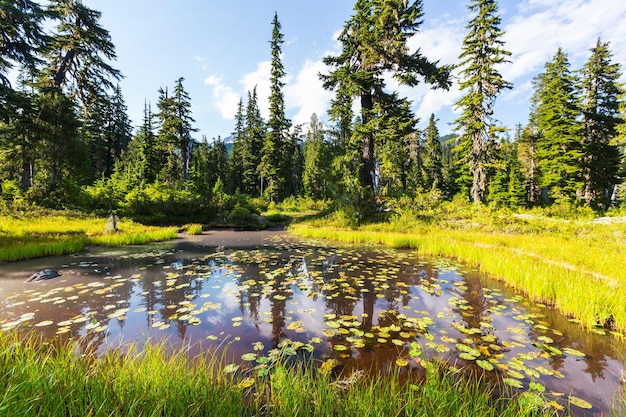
(579, 402)
(486, 365)
(513, 383)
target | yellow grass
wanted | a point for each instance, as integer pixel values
(577, 266)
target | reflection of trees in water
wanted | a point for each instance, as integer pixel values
(476, 315)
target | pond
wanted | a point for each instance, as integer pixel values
(363, 306)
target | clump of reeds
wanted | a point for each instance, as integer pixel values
(194, 229)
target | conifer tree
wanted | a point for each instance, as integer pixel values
(527, 139)
(316, 161)
(620, 142)
(80, 52)
(559, 132)
(174, 139)
(276, 160)
(149, 167)
(482, 52)
(236, 156)
(374, 45)
(600, 91)
(167, 141)
(394, 127)
(21, 36)
(433, 165)
(252, 174)
(184, 128)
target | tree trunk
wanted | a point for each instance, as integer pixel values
(27, 175)
(477, 166)
(368, 170)
(59, 76)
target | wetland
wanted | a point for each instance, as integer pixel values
(354, 307)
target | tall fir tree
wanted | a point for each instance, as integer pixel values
(254, 134)
(395, 125)
(600, 93)
(528, 138)
(620, 142)
(167, 141)
(559, 130)
(373, 46)
(148, 144)
(22, 37)
(184, 125)
(433, 165)
(276, 160)
(482, 53)
(236, 156)
(315, 161)
(80, 52)
(175, 141)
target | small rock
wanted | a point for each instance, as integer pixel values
(43, 275)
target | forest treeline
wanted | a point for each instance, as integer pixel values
(66, 140)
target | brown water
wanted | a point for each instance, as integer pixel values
(363, 306)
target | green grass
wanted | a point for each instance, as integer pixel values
(62, 379)
(194, 229)
(577, 266)
(32, 237)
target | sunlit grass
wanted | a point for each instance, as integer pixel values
(194, 229)
(61, 379)
(30, 237)
(577, 266)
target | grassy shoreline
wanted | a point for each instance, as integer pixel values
(578, 267)
(61, 379)
(32, 237)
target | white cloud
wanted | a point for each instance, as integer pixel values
(226, 100)
(202, 62)
(443, 44)
(540, 27)
(307, 94)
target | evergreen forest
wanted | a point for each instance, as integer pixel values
(66, 141)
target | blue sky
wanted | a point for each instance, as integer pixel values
(221, 48)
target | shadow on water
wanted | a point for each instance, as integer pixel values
(368, 308)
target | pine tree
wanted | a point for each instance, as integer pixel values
(315, 161)
(236, 156)
(600, 91)
(559, 133)
(149, 167)
(482, 53)
(507, 186)
(108, 131)
(276, 154)
(252, 172)
(21, 36)
(184, 129)
(620, 142)
(80, 52)
(433, 165)
(295, 162)
(395, 125)
(167, 141)
(175, 132)
(374, 45)
(527, 156)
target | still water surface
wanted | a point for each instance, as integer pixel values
(363, 306)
